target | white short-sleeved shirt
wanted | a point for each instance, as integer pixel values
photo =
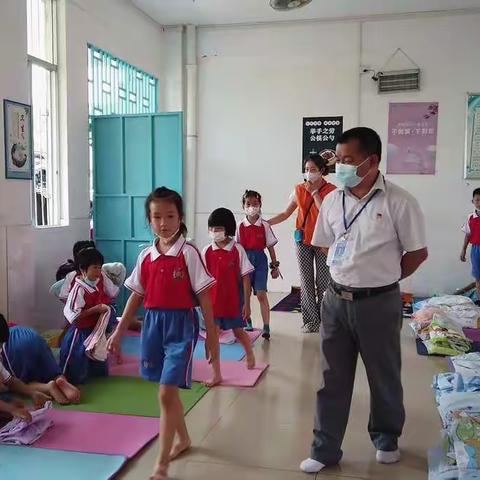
(245, 266)
(392, 223)
(109, 287)
(4, 373)
(200, 278)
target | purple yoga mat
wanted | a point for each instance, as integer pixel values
(472, 333)
(103, 433)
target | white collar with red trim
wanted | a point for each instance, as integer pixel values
(85, 285)
(258, 223)
(174, 251)
(228, 247)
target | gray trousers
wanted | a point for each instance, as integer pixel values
(369, 327)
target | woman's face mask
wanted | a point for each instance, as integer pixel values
(312, 176)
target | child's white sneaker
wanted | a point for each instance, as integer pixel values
(388, 457)
(311, 466)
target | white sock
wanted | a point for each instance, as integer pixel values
(388, 457)
(311, 466)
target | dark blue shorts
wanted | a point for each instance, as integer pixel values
(259, 276)
(475, 259)
(30, 357)
(230, 323)
(168, 341)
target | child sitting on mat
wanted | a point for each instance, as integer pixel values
(88, 302)
(170, 279)
(227, 261)
(27, 367)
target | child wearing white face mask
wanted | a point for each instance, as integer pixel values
(88, 300)
(256, 235)
(227, 261)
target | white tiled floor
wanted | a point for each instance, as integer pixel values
(263, 433)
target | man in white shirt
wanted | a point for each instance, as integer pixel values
(375, 235)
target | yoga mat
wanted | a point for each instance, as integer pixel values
(235, 374)
(472, 333)
(98, 433)
(131, 346)
(290, 303)
(228, 335)
(129, 396)
(422, 349)
(130, 367)
(234, 351)
(22, 463)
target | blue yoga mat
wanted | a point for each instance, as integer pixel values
(233, 352)
(20, 463)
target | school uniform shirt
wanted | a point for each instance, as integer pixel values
(256, 236)
(83, 296)
(111, 289)
(228, 265)
(392, 223)
(472, 228)
(171, 280)
(307, 209)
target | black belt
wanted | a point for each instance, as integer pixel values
(360, 293)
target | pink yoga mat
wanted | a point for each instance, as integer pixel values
(226, 336)
(235, 374)
(130, 367)
(103, 433)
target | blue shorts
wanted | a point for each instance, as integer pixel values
(259, 276)
(168, 341)
(74, 363)
(30, 357)
(230, 323)
(475, 259)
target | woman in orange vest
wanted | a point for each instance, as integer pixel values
(314, 273)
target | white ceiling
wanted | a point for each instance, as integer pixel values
(215, 12)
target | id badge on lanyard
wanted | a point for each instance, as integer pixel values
(342, 250)
(343, 246)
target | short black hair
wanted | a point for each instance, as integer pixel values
(251, 194)
(4, 330)
(80, 245)
(476, 192)
(368, 140)
(88, 257)
(223, 217)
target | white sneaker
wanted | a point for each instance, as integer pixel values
(311, 466)
(388, 457)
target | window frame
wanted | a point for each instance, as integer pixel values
(54, 217)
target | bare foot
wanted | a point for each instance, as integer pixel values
(72, 393)
(179, 448)
(160, 473)
(55, 392)
(216, 380)
(250, 361)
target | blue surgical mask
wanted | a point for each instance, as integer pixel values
(347, 175)
(92, 283)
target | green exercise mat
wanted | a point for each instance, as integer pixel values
(129, 396)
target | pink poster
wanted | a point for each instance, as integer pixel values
(412, 138)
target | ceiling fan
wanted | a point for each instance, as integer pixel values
(285, 5)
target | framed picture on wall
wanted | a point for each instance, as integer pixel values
(17, 124)
(472, 137)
